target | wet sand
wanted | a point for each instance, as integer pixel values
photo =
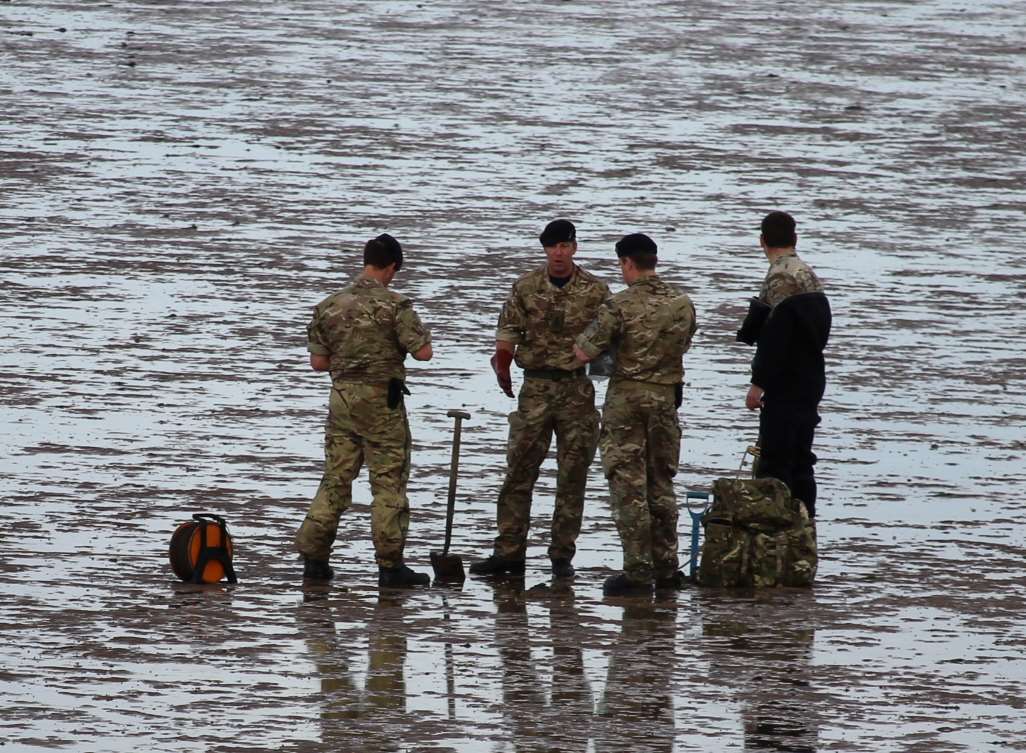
(181, 182)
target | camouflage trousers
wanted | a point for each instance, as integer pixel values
(640, 448)
(566, 408)
(361, 427)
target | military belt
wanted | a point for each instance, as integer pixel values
(555, 374)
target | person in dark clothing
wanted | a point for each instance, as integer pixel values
(789, 323)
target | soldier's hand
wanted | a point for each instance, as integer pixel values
(753, 400)
(500, 365)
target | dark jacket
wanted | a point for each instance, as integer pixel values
(788, 361)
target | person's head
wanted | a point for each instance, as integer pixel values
(637, 254)
(559, 239)
(383, 256)
(778, 231)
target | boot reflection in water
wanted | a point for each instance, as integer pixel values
(368, 719)
(778, 711)
(563, 721)
(637, 704)
(763, 656)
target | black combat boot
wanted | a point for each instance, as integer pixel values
(316, 569)
(623, 585)
(676, 581)
(401, 577)
(498, 566)
(561, 568)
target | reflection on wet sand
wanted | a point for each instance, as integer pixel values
(764, 657)
(560, 722)
(371, 718)
(450, 663)
(636, 710)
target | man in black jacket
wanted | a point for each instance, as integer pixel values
(789, 323)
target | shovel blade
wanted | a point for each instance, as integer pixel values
(448, 568)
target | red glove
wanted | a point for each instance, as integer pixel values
(500, 365)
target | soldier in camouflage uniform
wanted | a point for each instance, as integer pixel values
(545, 311)
(649, 326)
(788, 374)
(787, 274)
(361, 335)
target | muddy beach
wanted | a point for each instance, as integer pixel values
(182, 181)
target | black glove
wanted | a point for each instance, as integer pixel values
(752, 325)
(396, 390)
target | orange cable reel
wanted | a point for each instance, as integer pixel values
(201, 550)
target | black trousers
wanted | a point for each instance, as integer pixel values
(786, 432)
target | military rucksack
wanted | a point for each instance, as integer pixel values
(757, 535)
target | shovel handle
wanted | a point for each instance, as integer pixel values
(459, 416)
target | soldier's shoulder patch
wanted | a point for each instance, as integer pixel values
(591, 279)
(328, 300)
(531, 279)
(675, 291)
(678, 293)
(584, 274)
(392, 298)
(624, 295)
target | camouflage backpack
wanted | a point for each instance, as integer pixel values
(757, 535)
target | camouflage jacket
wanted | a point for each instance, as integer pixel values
(787, 276)
(366, 330)
(543, 320)
(649, 326)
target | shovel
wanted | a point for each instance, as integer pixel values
(696, 527)
(449, 567)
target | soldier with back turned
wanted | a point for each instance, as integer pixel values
(361, 336)
(789, 324)
(649, 326)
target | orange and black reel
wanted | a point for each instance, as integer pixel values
(201, 550)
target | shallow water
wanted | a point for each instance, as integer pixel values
(183, 181)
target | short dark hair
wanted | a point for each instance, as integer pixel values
(382, 251)
(778, 230)
(644, 261)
